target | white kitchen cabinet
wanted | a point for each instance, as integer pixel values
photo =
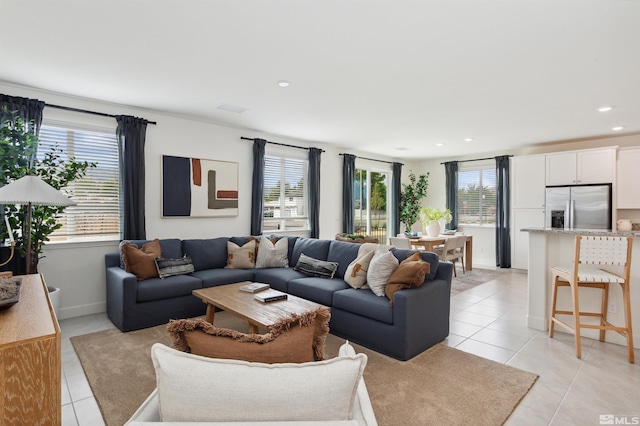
(581, 167)
(628, 182)
(528, 181)
(523, 218)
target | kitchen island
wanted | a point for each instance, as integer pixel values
(555, 246)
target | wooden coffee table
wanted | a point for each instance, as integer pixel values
(257, 314)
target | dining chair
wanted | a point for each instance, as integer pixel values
(598, 262)
(447, 252)
(400, 242)
(461, 241)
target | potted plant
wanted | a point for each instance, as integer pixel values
(410, 198)
(18, 148)
(432, 219)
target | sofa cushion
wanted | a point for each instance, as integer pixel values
(215, 277)
(429, 257)
(380, 269)
(241, 256)
(343, 254)
(298, 338)
(409, 274)
(167, 288)
(277, 278)
(207, 254)
(319, 290)
(170, 267)
(141, 261)
(356, 273)
(197, 389)
(272, 253)
(318, 249)
(364, 303)
(315, 267)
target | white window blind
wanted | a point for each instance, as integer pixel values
(97, 215)
(477, 196)
(285, 194)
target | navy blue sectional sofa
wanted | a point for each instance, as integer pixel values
(418, 319)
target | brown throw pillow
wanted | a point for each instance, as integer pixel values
(141, 261)
(409, 274)
(300, 338)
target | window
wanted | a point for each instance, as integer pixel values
(97, 215)
(285, 194)
(477, 197)
(370, 207)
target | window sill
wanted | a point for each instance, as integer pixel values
(62, 245)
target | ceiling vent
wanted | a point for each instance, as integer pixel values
(231, 108)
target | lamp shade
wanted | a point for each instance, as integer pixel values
(32, 189)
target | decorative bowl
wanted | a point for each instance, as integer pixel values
(9, 302)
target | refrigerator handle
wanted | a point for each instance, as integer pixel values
(567, 215)
(572, 213)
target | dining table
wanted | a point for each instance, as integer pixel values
(428, 243)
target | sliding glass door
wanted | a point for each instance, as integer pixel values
(370, 201)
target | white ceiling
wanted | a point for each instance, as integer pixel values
(390, 77)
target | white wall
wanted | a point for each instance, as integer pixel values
(78, 268)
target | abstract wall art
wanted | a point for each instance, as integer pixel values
(194, 187)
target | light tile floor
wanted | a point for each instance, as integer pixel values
(489, 321)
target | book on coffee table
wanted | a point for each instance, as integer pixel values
(254, 287)
(270, 295)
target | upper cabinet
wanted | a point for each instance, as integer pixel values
(528, 181)
(581, 167)
(628, 189)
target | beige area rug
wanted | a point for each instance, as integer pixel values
(473, 278)
(440, 386)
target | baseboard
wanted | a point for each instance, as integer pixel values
(82, 310)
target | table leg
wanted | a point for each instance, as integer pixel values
(253, 329)
(468, 254)
(211, 311)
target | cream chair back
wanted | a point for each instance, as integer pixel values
(400, 242)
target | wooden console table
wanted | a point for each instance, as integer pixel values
(30, 364)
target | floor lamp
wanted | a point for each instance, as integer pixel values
(31, 191)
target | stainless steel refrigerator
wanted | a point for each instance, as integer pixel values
(578, 207)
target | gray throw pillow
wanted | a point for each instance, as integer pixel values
(171, 267)
(316, 268)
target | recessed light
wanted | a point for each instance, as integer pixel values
(283, 83)
(439, 144)
(403, 148)
(468, 139)
(617, 128)
(605, 109)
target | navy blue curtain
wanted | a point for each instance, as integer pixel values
(503, 241)
(131, 133)
(396, 191)
(30, 110)
(348, 177)
(451, 182)
(314, 191)
(257, 186)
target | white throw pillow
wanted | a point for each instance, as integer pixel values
(192, 388)
(356, 273)
(272, 255)
(380, 270)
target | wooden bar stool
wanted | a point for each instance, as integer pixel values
(592, 255)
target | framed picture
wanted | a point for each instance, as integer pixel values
(195, 187)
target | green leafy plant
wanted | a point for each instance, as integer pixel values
(429, 215)
(18, 148)
(410, 198)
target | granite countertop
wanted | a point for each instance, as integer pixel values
(599, 232)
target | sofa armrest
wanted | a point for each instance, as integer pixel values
(122, 288)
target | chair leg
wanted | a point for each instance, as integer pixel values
(604, 310)
(576, 317)
(462, 261)
(454, 268)
(554, 297)
(627, 320)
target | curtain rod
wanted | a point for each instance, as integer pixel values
(278, 143)
(477, 159)
(103, 114)
(373, 159)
